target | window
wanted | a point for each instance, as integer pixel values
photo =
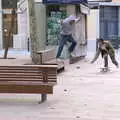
(108, 22)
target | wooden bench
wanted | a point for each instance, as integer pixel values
(28, 79)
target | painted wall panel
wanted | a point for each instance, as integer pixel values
(20, 40)
(92, 25)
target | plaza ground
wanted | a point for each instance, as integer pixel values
(82, 92)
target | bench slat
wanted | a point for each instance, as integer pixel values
(52, 81)
(26, 72)
(25, 77)
(28, 89)
(21, 74)
(27, 68)
(26, 83)
(23, 71)
(30, 66)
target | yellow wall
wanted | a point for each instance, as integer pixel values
(92, 25)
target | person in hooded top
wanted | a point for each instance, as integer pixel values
(66, 34)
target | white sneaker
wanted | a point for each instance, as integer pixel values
(58, 60)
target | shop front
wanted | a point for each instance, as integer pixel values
(48, 13)
(54, 11)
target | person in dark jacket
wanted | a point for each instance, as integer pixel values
(105, 48)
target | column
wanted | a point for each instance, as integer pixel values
(40, 10)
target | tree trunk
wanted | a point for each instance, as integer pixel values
(33, 31)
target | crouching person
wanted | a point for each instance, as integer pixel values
(105, 48)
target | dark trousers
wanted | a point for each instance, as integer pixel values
(105, 56)
(63, 41)
(114, 61)
(112, 56)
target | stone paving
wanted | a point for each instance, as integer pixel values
(82, 92)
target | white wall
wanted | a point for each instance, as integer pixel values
(20, 40)
(79, 33)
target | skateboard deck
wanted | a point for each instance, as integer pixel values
(105, 69)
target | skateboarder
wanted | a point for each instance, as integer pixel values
(66, 34)
(105, 48)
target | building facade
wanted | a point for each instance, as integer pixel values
(47, 27)
(46, 38)
(51, 13)
(105, 17)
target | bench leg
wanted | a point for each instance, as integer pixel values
(43, 97)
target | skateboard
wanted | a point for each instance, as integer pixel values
(105, 69)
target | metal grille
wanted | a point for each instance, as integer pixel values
(108, 22)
